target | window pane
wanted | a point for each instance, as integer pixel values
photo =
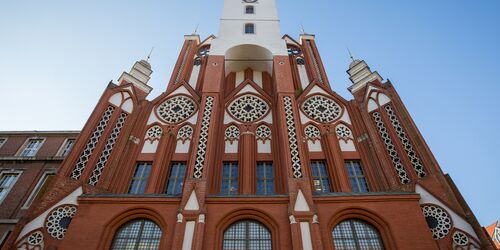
(67, 147)
(356, 177)
(229, 178)
(265, 178)
(32, 147)
(321, 181)
(247, 235)
(140, 178)
(176, 178)
(356, 234)
(138, 234)
(249, 28)
(7, 181)
(249, 10)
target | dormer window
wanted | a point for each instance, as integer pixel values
(249, 28)
(249, 9)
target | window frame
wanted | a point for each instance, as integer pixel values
(355, 234)
(177, 179)
(140, 233)
(314, 163)
(245, 235)
(350, 164)
(231, 178)
(3, 140)
(41, 182)
(9, 172)
(62, 148)
(140, 179)
(247, 7)
(254, 29)
(266, 179)
(25, 144)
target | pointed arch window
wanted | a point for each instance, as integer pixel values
(138, 234)
(249, 28)
(247, 234)
(356, 234)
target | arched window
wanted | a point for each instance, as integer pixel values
(137, 234)
(247, 234)
(356, 234)
(249, 28)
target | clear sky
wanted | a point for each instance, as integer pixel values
(57, 56)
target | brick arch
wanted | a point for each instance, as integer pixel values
(115, 223)
(247, 214)
(367, 216)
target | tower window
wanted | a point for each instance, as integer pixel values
(249, 28)
(265, 178)
(356, 177)
(321, 183)
(176, 178)
(229, 178)
(140, 179)
(32, 147)
(249, 10)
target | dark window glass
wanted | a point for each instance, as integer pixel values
(356, 234)
(249, 28)
(138, 234)
(356, 177)
(229, 178)
(176, 178)
(32, 147)
(265, 178)
(140, 178)
(249, 10)
(67, 147)
(247, 234)
(7, 181)
(321, 183)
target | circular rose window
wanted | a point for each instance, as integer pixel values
(248, 108)
(176, 109)
(321, 109)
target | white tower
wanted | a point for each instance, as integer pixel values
(249, 35)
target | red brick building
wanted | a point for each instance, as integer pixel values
(28, 164)
(250, 148)
(493, 231)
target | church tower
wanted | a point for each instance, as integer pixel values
(249, 147)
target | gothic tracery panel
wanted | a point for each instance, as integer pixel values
(460, 239)
(91, 144)
(391, 149)
(58, 221)
(438, 220)
(343, 132)
(248, 108)
(312, 132)
(232, 133)
(292, 138)
(185, 133)
(202, 143)
(154, 133)
(263, 132)
(412, 155)
(321, 109)
(176, 109)
(108, 148)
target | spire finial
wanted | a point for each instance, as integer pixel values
(196, 29)
(302, 29)
(350, 54)
(149, 55)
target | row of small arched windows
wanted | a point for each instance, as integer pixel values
(247, 234)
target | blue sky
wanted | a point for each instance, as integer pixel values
(57, 56)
